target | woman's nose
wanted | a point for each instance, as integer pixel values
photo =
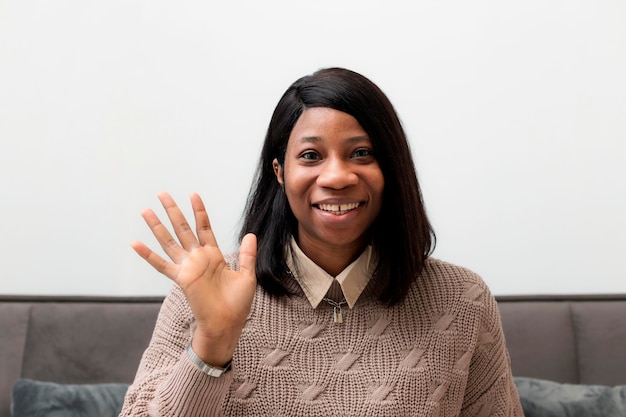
(337, 173)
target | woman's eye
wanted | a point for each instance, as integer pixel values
(310, 156)
(360, 153)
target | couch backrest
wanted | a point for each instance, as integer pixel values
(574, 339)
(579, 339)
(72, 339)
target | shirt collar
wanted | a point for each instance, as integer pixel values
(316, 282)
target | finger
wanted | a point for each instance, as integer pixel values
(203, 224)
(166, 268)
(182, 229)
(247, 255)
(163, 236)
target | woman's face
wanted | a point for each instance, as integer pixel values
(332, 181)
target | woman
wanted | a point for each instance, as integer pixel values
(332, 307)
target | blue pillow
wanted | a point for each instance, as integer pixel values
(542, 398)
(39, 399)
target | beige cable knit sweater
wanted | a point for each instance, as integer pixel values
(440, 352)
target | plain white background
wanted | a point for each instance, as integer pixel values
(516, 112)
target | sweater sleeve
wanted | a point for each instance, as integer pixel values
(167, 383)
(491, 390)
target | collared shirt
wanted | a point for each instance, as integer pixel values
(316, 282)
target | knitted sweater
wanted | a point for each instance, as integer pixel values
(440, 352)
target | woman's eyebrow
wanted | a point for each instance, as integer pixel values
(317, 139)
(357, 139)
(310, 139)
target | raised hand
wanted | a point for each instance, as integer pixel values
(219, 297)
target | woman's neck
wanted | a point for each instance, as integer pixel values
(331, 258)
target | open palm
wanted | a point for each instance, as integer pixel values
(220, 298)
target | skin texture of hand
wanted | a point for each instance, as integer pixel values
(219, 297)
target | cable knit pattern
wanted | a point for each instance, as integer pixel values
(441, 352)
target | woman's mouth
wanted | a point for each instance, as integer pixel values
(338, 209)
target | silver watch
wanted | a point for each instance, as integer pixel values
(213, 371)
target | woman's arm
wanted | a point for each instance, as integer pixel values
(167, 383)
(207, 308)
(490, 388)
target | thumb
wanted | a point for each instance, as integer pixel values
(247, 254)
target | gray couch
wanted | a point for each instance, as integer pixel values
(79, 340)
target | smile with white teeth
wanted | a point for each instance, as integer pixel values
(338, 209)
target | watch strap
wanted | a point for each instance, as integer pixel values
(213, 371)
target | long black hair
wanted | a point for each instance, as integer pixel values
(402, 236)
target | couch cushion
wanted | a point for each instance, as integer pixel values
(13, 328)
(47, 399)
(600, 328)
(541, 398)
(540, 338)
(88, 342)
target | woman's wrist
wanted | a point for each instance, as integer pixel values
(210, 370)
(215, 352)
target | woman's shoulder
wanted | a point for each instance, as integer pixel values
(443, 282)
(438, 269)
(457, 293)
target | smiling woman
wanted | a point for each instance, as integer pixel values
(335, 217)
(334, 100)
(334, 186)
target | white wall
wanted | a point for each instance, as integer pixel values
(516, 113)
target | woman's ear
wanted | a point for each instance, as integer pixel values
(278, 171)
